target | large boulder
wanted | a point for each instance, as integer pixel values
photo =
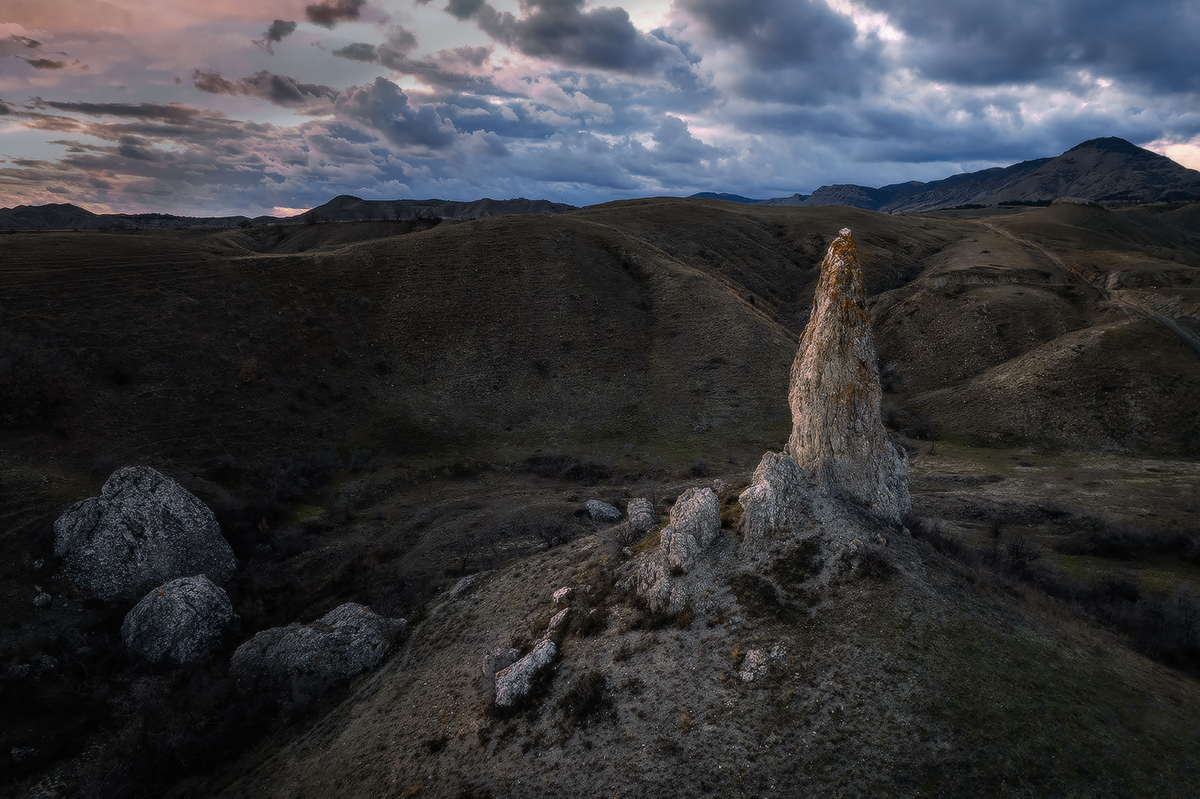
(345, 641)
(694, 523)
(142, 531)
(837, 432)
(179, 621)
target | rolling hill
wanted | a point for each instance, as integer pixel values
(376, 408)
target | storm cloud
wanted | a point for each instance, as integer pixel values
(562, 31)
(996, 42)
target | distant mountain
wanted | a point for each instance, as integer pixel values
(347, 208)
(1105, 170)
(795, 199)
(66, 216)
(344, 208)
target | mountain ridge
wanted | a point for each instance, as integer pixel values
(1107, 169)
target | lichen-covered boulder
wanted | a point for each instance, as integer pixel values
(837, 432)
(602, 512)
(179, 621)
(514, 683)
(344, 642)
(641, 515)
(694, 523)
(142, 531)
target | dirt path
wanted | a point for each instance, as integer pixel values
(1139, 307)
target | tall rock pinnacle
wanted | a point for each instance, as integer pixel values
(837, 432)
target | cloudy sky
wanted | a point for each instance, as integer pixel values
(264, 106)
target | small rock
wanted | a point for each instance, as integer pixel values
(44, 664)
(464, 585)
(557, 626)
(39, 564)
(24, 754)
(17, 671)
(495, 662)
(563, 595)
(515, 682)
(641, 515)
(602, 512)
(40, 598)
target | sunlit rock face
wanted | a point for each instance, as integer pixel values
(837, 433)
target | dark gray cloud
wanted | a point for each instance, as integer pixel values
(277, 89)
(995, 42)
(384, 107)
(45, 63)
(359, 51)
(787, 51)
(329, 13)
(562, 31)
(400, 41)
(172, 112)
(25, 41)
(279, 30)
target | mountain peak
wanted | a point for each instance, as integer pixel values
(1112, 144)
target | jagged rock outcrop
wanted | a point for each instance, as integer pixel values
(494, 662)
(142, 531)
(694, 522)
(345, 641)
(837, 433)
(778, 503)
(179, 621)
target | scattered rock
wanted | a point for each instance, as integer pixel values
(464, 585)
(495, 662)
(44, 664)
(641, 515)
(563, 595)
(143, 530)
(557, 626)
(179, 621)
(694, 523)
(17, 671)
(40, 598)
(602, 512)
(758, 662)
(24, 754)
(837, 432)
(514, 683)
(345, 641)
